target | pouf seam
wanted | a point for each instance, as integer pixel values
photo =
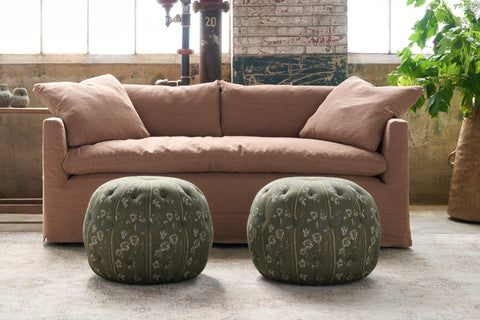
(115, 272)
(364, 241)
(294, 248)
(332, 235)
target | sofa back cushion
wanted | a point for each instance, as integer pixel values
(93, 110)
(178, 111)
(268, 110)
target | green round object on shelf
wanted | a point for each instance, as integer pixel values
(314, 230)
(147, 230)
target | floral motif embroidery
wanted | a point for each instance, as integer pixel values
(333, 236)
(123, 232)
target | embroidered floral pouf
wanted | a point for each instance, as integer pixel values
(146, 230)
(314, 230)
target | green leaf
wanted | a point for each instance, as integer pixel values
(420, 38)
(430, 88)
(467, 105)
(455, 30)
(453, 69)
(392, 79)
(405, 81)
(425, 28)
(406, 53)
(419, 3)
(434, 4)
(441, 14)
(439, 101)
(455, 62)
(438, 43)
(426, 68)
(470, 15)
(432, 31)
(457, 43)
(418, 105)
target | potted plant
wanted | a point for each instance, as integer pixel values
(454, 65)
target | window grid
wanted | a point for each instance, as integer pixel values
(389, 6)
(41, 27)
(88, 25)
(135, 27)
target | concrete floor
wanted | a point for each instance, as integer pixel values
(438, 278)
(435, 220)
(10, 222)
(424, 220)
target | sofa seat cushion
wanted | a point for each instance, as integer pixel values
(223, 154)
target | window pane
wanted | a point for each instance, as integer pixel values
(111, 27)
(152, 34)
(20, 23)
(403, 19)
(368, 26)
(65, 26)
(154, 37)
(402, 24)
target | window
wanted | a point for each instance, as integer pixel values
(24, 36)
(382, 26)
(64, 26)
(95, 27)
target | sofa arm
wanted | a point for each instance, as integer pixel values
(54, 150)
(394, 149)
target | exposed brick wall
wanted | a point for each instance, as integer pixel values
(289, 27)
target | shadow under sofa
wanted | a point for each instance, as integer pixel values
(230, 141)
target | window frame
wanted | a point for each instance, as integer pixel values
(388, 57)
(138, 58)
(88, 57)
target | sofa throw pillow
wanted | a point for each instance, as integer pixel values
(356, 112)
(93, 110)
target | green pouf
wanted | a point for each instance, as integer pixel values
(314, 231)
(146, 230)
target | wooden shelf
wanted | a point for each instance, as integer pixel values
(21, 206)
(23, 110)
(20, 218)
(20, 200)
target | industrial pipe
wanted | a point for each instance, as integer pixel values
(185, 52)
(210, 38)
(167, 5)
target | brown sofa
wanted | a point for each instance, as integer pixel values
(227, 139)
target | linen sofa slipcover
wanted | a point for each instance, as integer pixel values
(230, 141)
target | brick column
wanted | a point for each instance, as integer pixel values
(289, 41)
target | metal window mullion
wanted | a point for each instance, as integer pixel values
(41, 27)
(88, 27)
(135, 27)
(389, 26)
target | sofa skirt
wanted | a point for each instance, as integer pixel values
(229, 197)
